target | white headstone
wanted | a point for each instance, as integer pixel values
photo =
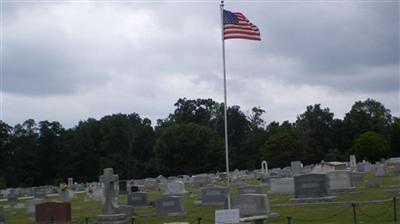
(264, 167)
(227, 216)
(175, 188)
(353, 162)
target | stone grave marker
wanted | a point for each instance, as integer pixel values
(13, 198)
(110, 212)
(265, 181)
(200, 180)
(380, 171)
(31, 204)
(353, 162)
(297, 167)
(250, 190)
(340, 181)
(40, 193)
(127, 210)
(80, 187)
(230, 216)
(66, 195)
(59, 212)
(175, 188)
(2, 215)
(138, 199)
(363, 166)
(282, 185)
(170, 206)
(213, 195)
(151, 185)
(133, 189)
(312, 187)
(264, 167)
(253, 205)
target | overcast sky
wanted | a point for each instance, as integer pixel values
(68, 61)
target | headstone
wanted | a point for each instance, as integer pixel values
(66, 195)
(253, 205)
(265, 181)
(213, 195)
(227, 216)
(340, 181)
(170, 206)
(127, 210)
(133, 189)
(31, 204)
(40, 194)
(80, 187)
(380, 171)
(2, 215)
(364, 166)
(353, 162)
(138, 199)
(282, 185)
(109, 180)
(110, 212)
(264, 167)
(250, 190)
(12, 198)
(312, 188)
(297, 167)
(59, 212)
(200, 180)
(175, 188)
(151, 185)
(70, 182)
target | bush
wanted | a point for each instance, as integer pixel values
(371, 146)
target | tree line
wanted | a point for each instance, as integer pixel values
(189, 141)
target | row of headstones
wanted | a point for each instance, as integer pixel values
(249, 197)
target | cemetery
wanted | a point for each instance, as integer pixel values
(297, 195)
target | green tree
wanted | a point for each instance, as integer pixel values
(371, 146)
(189, 149)
(22, 156)
(281, 148)
(368, 115)
(395, 137)
(314, 128)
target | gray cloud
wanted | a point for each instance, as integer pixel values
(106, 58)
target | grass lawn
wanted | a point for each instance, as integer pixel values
(320, 214)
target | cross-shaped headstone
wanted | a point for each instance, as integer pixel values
(109, 180)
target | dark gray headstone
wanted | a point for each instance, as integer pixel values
(127, 210)
(134, 189)
(253, 205)
(2, 215)
(250, 190)
(311, 186)
(213, 195)
(170, 205)
(12, 197)
(138, 199)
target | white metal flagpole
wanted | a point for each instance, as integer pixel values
(225, 107)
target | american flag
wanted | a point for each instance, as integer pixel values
(237, 26)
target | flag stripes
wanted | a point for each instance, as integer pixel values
(237, 26)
